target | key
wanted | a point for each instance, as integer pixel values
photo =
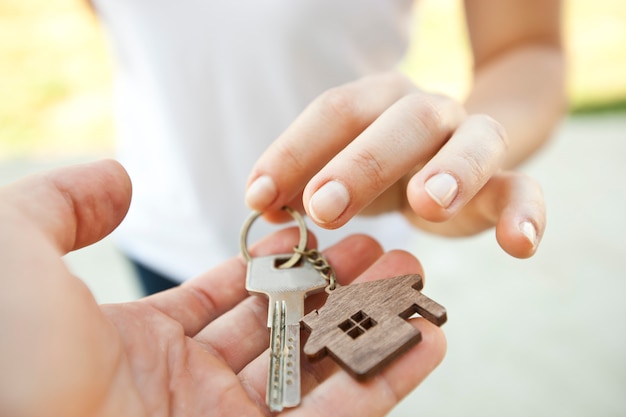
(286, 289)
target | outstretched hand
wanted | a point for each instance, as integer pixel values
(199, 349)
(380, 144)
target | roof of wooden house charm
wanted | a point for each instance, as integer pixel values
(364, 326)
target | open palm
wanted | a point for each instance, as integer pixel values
(196, 350)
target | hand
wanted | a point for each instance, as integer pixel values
(380, 144)
(199, 349)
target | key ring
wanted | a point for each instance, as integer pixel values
(299, 250)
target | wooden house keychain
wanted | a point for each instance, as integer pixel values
(362, 326)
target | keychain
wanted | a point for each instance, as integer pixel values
(362, 326)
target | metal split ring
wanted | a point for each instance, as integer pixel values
(304, 237)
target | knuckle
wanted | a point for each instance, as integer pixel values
(371, 168)
(493, 129)
(290, 157)
(337, 104)
(477, 162)
(426, 114)
(435, 115)
(491, 143)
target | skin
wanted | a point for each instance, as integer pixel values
(199, 349)
(380, 140)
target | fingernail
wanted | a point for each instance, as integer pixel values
(329, 202)
(442, 188)
(528, 230)
(261, 193)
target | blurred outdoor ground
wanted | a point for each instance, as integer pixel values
(538, 337)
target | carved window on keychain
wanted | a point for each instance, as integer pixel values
(357, 325)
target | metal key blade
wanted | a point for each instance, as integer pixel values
(283, 385)
(274, 397)
(286, 289)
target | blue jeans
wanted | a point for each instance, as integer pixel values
(150, 280)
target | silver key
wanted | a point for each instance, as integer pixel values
(286, 289)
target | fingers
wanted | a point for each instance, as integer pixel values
(241, 334)
(512, 202)
(324, 128)
(197, 302)
(518, 203)
(354, 150)
(459, 169)
(408, 133)
(73, 206)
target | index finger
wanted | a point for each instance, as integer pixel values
(323, 129)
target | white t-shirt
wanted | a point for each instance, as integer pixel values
(204, 87)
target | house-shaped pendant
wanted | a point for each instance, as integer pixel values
(364, 326)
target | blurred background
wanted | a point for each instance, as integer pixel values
(544, 336)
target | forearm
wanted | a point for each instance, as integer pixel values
(524, 91)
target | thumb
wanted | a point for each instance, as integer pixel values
(72, 206)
